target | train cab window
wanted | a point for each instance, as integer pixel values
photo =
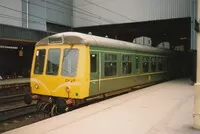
(53, 61)
(126, 64)
(69, 63)
(39, 61)
(145, 64)
(110, 65)
(137, 62)
(93, 63)
(153, 64)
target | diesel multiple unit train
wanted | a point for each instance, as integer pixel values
(69, 68)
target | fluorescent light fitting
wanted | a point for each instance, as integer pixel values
(8, 47)
(183, 38)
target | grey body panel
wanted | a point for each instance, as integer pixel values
(91, 40)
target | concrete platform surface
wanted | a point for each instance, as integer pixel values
(165, 108)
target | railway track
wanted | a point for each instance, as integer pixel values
(13, 106)
(16, 109)
(11, 99)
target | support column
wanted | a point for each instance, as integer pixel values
(196, 115)
(27, 13)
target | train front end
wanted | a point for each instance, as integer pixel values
(60, 73)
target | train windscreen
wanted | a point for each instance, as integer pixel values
(70, 61)
(39, 61)
(53, 61)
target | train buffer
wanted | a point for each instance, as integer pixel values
(163, 108)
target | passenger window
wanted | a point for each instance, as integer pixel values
(159, 64)
(167, 62)
(137, 62)
(126, 64)
(53, 61)
(110, 65)
(163, 64)
(93, 63)
(145, 64)
(39, 61)
(153, 64)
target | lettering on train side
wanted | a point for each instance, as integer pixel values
(67, 80)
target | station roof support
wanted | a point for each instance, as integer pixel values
(22, 35)
(196, 115)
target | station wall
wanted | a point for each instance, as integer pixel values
(100, 12)
(11, 12)
(41, 12)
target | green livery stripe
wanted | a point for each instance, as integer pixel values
(129, 76)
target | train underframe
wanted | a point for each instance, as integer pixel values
(53, 105)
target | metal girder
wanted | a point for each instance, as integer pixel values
(19, 34)
(171, 30)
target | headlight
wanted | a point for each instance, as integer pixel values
(36, 86)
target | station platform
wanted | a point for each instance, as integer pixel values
(165, 108)
(14, 81)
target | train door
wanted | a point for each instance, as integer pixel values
(95, 73)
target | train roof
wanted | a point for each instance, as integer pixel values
(91, 40)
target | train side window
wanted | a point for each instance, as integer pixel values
(110, 65)
(39, 61)
(126, 64)
(159, 64)
(153, 64)
(137, 62)
(145, 64)
(93, 63)
(167, 63)
(163, 64)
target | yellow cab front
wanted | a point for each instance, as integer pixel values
(60, 71)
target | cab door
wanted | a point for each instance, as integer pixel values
(94, 73)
